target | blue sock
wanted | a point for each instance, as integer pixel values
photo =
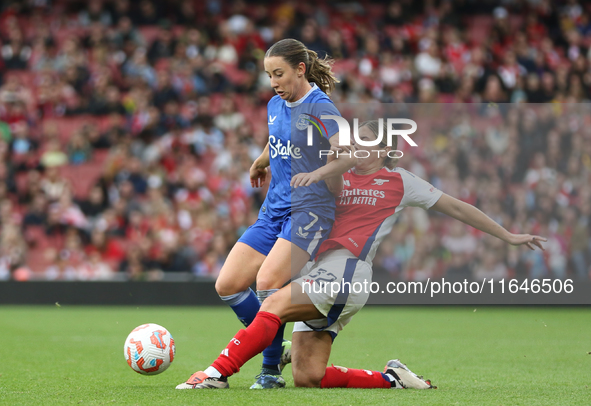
(272, 354)
(245, 304)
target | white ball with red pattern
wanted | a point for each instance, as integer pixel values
(149, 349)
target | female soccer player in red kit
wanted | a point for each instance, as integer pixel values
(369, 196)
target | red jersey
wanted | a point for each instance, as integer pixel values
(366, 208)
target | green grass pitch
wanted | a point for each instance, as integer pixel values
(483, 356)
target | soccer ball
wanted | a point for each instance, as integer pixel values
(149, 349)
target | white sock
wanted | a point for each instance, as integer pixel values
(214, 373)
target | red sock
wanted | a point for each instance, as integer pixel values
(340, 377)
(248, 343)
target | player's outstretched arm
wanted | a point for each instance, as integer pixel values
(332, 172)
(258, 170)
(470, 215)
(334, 183)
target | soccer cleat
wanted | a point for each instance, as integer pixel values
(200, 380)
(404, 377)
(285, 355)
(266, 381)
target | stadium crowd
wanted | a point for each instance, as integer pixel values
(128, 128)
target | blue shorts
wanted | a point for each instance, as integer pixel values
(305, 230)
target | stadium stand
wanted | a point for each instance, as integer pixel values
(128, 128)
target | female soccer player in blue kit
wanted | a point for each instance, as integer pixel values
(269, 250)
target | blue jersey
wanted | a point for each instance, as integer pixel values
(290, 154)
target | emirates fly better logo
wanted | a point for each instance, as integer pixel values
(309, 122)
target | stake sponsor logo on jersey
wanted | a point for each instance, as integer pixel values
(277, 148)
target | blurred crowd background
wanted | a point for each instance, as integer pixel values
(128, 128)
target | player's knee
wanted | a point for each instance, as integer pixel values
(276, 304)
(267, 279)
(226, 288)
(266, 283)
(309, 378)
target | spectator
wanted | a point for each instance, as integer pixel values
(228, 119)
(7, 177)
(206, 137)
(13, 250)
(134, 264)
(186, 14)
(95, 204)
(428, 62)
(53, 155)
(59, 268)
(22, 144)
(95, 13)
(194, 43)
(164, 91)
(148, 14)
(94, 269)
(134, 174)
(164, 44)
(36, 214)
(121, 9)
(53, 184)
(126, 33)
(15, 52)
(107, 103)
(138, 68)
(108, 248)
(102, 141)
(79, 149)
(69, 212)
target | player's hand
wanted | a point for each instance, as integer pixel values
(258, 176)
(344, 149)
(304, 179)
(340, 150)
(527, 239)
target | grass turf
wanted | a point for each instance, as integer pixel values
(483, 356)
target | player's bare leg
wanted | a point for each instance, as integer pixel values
(233, 284)
(239, 270)
(284, 260)
(247, 343)
(310, 354)
(309, 357)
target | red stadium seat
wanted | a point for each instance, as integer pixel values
(36, 260)
(100, 156)
(82, 177)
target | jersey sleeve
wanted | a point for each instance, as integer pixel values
(418, 192)
(327, 108)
